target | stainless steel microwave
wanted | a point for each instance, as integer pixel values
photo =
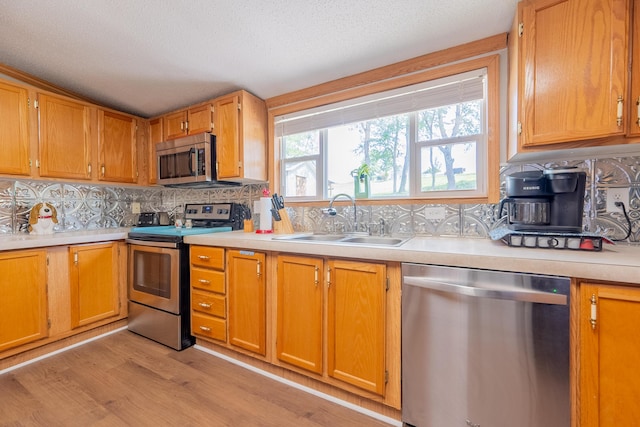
(187, 161)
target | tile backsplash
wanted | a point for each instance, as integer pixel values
(82, 206)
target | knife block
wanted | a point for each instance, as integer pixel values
(283, 226)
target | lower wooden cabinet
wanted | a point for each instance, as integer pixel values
(94, 283)
(208, 293)
(247, 300)
(353, 295)
(23, 297)
(300, 303)
(609, 355)
(356, 323)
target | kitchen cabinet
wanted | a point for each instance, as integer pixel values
(299, 317)
(240, 126)
(354, 295)
(189, 121)
(117, 147)
(208, 293)
(64, 144)
(247, 300)
(569, 65)
(355, 323)
(156, 135)
(633, 124)
(609, 344)
(94, 283)
(23, 306)
(14, 131)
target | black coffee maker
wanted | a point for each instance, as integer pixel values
(545, 201)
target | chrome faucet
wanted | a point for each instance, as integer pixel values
(332, 211)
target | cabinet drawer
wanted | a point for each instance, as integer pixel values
(206, 302)
(209, 280)
(208, 326)
(204, 256)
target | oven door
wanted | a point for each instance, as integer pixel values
(154, 275)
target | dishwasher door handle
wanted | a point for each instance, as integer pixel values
(511, 294)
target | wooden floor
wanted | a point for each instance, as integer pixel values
(126, 380)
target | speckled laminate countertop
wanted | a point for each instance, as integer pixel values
(619, 263)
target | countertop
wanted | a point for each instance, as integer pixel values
(27, 241)
(618, 263)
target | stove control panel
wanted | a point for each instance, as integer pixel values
(209, 211)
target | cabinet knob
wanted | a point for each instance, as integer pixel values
(204, 281)
(205, 329)
(204, 305)
(203, 257)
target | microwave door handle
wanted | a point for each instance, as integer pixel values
(512, 294)
(192, 160)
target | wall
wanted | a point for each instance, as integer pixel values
(91, 206)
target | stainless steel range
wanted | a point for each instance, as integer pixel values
(158, 279)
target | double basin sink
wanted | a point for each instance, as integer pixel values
(344, 239)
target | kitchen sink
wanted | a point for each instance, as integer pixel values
(373, 240)
(345, 239)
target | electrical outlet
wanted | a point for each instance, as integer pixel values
(619, 194)
(135, 207)
(434, 212)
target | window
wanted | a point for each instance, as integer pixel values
(426, 140)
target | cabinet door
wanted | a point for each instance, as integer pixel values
(299, 312)
(609, 378)
(64, 138)
(227, 130)
(575, 70)
(200, 119)
(175, 125)
(117, 147)
(94, 283)
(155, 136)
(634, 102)
(356, 323)
(247, 300)
(14, 131)
(23, 305)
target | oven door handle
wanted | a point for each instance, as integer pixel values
(170, 245)
(512, 294)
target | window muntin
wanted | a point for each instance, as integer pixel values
(436, 150)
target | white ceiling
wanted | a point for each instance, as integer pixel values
(148, 57)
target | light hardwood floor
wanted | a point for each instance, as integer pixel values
(126, 380)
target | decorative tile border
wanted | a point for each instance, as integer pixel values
(83, 206)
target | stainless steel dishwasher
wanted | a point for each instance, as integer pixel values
(484, 348)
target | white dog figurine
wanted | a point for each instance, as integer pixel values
(42, 218)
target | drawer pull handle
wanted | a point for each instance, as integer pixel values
(205, 328)
(204, 281)
(204, 305)
(203, 257)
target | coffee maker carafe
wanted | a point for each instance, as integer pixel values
(546, 201)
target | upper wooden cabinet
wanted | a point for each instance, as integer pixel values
(65, 148)
(14, 130)
(117, 147)
(568, 72)
(241, 137)
(23, 306)
(608, 379)
(189, 121)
